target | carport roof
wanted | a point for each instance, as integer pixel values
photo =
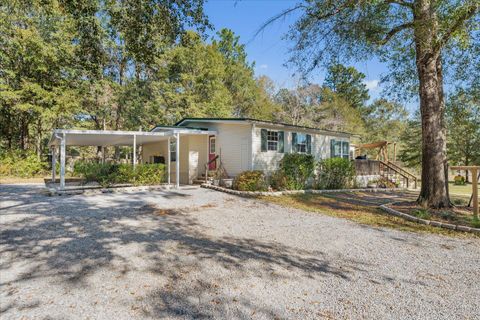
(116, 138)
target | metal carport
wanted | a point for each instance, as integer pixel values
(61, 138)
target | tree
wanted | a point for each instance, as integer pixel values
(315, 106)
(410, 152)
(384, 120)
(37, 72)
(190, 80)
(463, 116)
(415, 37)
(347, 82)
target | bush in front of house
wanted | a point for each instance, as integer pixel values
(253, 180)
(295, 171)
(335, 173)
(21, 164)
(110, 174)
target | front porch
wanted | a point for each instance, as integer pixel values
(184, 151)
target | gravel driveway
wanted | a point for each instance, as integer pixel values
(199, 253)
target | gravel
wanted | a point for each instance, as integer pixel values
(198, 253)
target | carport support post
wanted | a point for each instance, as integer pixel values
(134, 151)
(168, 161)
(62, 161)
(54, 163)
(177, 162)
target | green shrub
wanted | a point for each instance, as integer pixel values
(294, 172)
(459, 180)
(475, 223)
(111, 174)
(250, 181)
(335, 173)
(24, 165)
(149, 174)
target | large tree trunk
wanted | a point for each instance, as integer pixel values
(434, 190)
(434, 159)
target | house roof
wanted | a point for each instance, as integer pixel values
(252, 120)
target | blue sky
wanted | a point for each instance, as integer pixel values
(268, 49)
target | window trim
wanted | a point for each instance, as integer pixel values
(342, 154)
(273, 141)
(297, 144)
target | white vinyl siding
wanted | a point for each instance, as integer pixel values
(232, 139)
(268, 161)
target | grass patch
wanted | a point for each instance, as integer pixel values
(465, 190)
(422, 214)
(358, 211)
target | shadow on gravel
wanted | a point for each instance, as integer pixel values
(70, 238)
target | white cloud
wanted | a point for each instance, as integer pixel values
(372, 84)
(263, 66)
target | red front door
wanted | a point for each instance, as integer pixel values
(211, 153)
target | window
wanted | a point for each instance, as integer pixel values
(212, 145)
(339, 149)
(173, 151)
(272, 140)
(301, 143)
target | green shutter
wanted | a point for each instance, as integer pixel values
(263, 134)
(332, 148)
(309, 144)
(294, 142)
(281, 138)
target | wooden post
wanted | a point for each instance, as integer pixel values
(475, 192)
(474, 170)
(394, 152)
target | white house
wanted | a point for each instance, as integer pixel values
(243, 144)
(188, 146)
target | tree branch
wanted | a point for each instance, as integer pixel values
(276, 17)
(390, 34)
(469, 13)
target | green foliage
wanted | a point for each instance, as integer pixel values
(250, 181)
(411, 143)
(348, 83)
(384, 120)
(25, 165)
(335, 173)
(475, 223)
(422, 213)
(295, 171)
(110, 174)
(463, 118)
(459, 180)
